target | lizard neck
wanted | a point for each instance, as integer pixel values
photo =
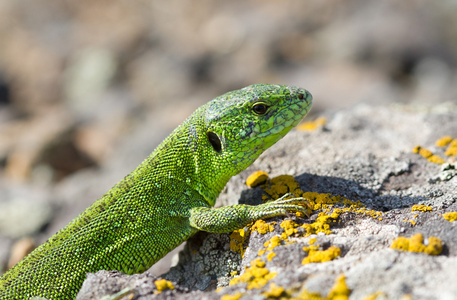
(187, 156)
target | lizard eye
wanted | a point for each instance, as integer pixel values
(260, 108)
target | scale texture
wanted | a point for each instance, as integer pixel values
(169, 196)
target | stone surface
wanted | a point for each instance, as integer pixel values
(365, 154)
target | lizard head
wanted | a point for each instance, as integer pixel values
(242, 124)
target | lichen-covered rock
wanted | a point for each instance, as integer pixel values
(368, 192)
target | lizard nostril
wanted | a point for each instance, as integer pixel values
(301, 96)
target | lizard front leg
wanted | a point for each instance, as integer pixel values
(229, 218)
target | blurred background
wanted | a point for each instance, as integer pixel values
(88, 88)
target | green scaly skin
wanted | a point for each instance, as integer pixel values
(168, 197)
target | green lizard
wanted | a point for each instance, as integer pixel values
(169, 196)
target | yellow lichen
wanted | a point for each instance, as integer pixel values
(263, 227)
(273, 242)
(257, 178)
(436, 159)
(423, 208)
(270, 256)
(236, 296)
(255, 276)
(258, 263)
(316, 256)
(428, 155)
(418, 148)
(416, 244)
(270, 244)
(238, 238)
(307, 295)
(452, 148)
(339, 291)
(374, 296)
(322, 223)
(289, 227)
(450, 216)
(372, 213)
(412, 222)
(280, 185)
(444, 141)
(313, 124)
(163, 284)
(319, 201)
(274, 291)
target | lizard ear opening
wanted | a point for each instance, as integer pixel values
(215, 141)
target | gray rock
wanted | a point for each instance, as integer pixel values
(364, 154)
(4, 252)
(23, 212)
